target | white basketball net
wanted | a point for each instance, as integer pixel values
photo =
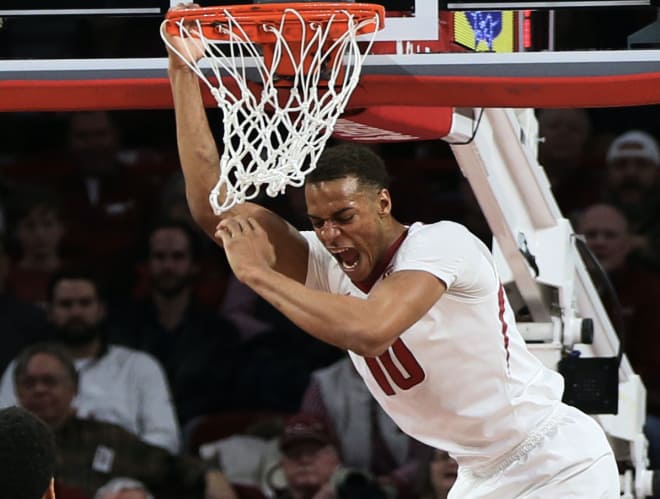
(274, 139)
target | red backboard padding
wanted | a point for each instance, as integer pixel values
(374, 90)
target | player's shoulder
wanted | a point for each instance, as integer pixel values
(438, 229)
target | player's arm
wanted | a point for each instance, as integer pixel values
(200, 161)
(365, 326)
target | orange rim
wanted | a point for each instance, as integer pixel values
(255, 15)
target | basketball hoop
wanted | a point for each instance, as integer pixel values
(289, 70)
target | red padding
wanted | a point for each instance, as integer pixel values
(374, 90)
(395, 124)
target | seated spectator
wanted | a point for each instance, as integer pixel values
(38, 229)
(123, 488)
(633, 186)
(214, 272)
(312, 468)
(21, 323)
(107, 190)
(638, 291)
(437, 475)
(195, 346)
(91, 452)
(368, 437)
(118, 384)
(27, 456)
(566, 155)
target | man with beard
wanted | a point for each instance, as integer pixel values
(195, 346)
(117, 384)
(633, 173)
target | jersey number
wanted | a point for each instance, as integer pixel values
(413, 373)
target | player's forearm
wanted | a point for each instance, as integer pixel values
(198, 152)
(344, 321)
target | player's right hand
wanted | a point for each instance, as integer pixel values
(190, 47)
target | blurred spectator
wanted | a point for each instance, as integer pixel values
(633, 186)
(20, 323)
(118, 384)
(27, 456)
(211, 279)
(38, 228)
(195, 346)
(107, 191)
(123, 488)
(92, 452)
(437, 475)
(565, 154)
(4, 194)
(312, 468)
(638, 290)
(368, 438)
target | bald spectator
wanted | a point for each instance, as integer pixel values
(123, 488)
(27, 456)
(638, 289)
(633, 186)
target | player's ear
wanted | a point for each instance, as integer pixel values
(384, 202)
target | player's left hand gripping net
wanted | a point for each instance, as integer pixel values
(278, 110)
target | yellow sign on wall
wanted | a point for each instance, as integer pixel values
(485, 30)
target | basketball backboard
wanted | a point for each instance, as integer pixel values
(64, 56)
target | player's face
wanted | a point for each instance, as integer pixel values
(46, 389)
(349, 220)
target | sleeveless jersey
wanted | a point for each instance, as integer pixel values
(461, 378)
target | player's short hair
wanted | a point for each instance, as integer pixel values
(27, 454)
(54, 350)
(350, 160)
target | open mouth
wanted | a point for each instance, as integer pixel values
(348, 258)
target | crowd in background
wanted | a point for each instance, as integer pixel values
(123, 328)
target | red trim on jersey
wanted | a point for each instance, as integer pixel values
(366, 285)
(505, 326)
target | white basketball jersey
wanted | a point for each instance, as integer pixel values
(460, 379)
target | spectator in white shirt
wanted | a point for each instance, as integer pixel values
(117, 384)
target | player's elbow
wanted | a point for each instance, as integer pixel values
(369, 341)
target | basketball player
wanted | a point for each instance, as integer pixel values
(27, 456)
(420, 309)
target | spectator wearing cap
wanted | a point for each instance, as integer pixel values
(633, 166)
(368, 437)
(312, 467)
